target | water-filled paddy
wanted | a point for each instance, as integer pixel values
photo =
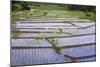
(32, 43)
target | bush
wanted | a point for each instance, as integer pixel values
(17, 7)
(57, 49)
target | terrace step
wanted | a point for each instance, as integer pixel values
(60, 41)
(44, 56)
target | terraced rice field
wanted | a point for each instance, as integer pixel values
(46, 42)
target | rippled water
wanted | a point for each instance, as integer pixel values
(42, 56)
(51, 25)
(40, 51)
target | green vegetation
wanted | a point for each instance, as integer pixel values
(40, 36)
(57, 49)
(61, 31)
(39, 14)
(90, 16)
(15, 34)
(49, 7)
(36, 10)
(54, 41)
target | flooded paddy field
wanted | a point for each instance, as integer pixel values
(46, 42)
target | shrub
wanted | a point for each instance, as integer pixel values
(57, 49)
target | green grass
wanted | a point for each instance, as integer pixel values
(38, 14)
(16, 34)
(53, 40)
(55, 45)
(40, 36)
(91, 16)
(57, 49)
(48, 7)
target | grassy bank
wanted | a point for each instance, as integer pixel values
(37, 14)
